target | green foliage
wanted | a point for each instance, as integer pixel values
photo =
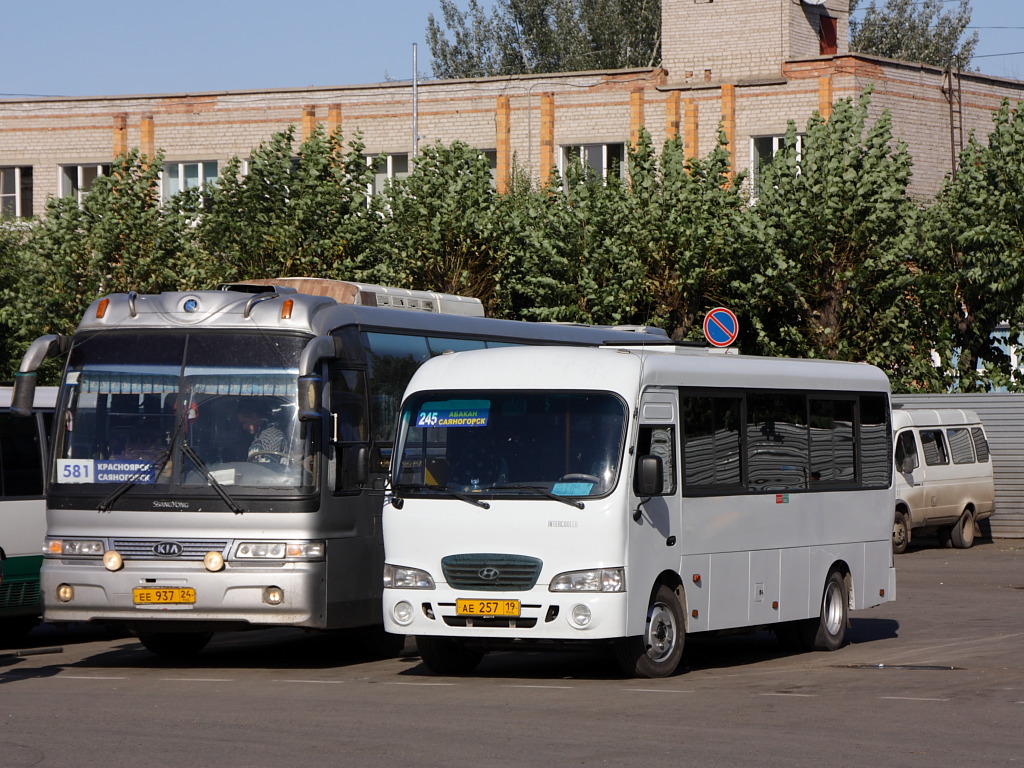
(526, 36)
(915, 30)
(119, 239)
(294, 212)
(441, 226)
(976, 233)
(836, 277)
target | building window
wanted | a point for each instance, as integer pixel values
(16, 192)
(828, 36)
(386, 168)
(177, 177)
(762, 152)
(603, 160)
(75, 180)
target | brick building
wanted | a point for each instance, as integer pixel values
(747, 65)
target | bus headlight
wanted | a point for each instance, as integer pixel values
(400, 577)
(595, 580)
(112, 560)
(280, 550)
(74, 547)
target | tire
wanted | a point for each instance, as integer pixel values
(962, 533)
(900, 533)
(446, 656)
(828, 631)
(375, 643)
(658, 651)
(16, 630)
(175, 645)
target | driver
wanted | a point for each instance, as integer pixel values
(267, 437)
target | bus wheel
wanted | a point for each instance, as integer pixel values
(658, 651)
(14, 631)
(828, 631)
(447, 656)
(900, 533)
(175, 645)
(962, 533)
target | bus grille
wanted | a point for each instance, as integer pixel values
(19, 594)
(491, 572)
(191, 549)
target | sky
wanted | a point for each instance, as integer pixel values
(113, 47)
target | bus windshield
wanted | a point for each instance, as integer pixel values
(566, 444)
(183, 409)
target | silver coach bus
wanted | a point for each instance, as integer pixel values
(220, 456)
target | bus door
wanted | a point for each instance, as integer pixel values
(654, 544)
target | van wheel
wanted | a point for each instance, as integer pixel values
(657, 652)
(900, 533)
(447, 656)
(963, 531)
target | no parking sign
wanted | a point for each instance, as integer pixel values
(721, 327)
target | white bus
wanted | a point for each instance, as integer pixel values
(632, 497)
(23, 451)
(220, 456)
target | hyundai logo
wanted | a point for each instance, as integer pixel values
(168, 548)
(489, 574)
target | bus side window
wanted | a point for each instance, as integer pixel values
(660, 441)
(22, 471)
(348, 404)
(348, 427)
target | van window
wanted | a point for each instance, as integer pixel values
(906, 452)
(980, 444)
(933, 446)
(960, 445)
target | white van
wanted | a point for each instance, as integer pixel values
(943, 475)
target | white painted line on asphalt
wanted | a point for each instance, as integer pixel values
(196, 680)
(551, 687)
(90, 677)
(908, 698)
(317, 682)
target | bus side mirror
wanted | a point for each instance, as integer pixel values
(353, 467)
(309, 397)
(24, 392)
(650, 476)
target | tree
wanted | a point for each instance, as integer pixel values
(838, 277)
(296, 211)
(441, 229)
(915, 30)
(119, 239)
(528, 36)
(976, 234)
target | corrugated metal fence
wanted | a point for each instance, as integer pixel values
(1003, 417)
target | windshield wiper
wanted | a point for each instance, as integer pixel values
(466, 497)
(187, 451)
(540, 492)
